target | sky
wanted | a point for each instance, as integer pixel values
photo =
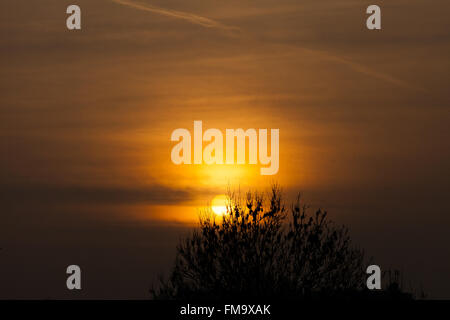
(86, 118)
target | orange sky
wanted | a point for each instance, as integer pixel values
(86, 116)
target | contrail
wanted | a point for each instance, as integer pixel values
(360, 68)
(369, 71)
(192, 18)
(210, 23)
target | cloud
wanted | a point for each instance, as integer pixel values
(210, 23)
(67, 194)
(367, 71)
(190, 17)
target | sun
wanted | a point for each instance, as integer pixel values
(219, 204)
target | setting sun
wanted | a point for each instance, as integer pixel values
(176, 150)
(219, 204)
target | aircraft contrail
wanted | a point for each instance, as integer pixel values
(210, 23)
(190, 17)
(367, 71)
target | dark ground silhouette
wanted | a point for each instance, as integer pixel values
(259, 249)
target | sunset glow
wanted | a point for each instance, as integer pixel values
(219, 204)
(91, 119)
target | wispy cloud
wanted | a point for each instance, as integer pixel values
(210, 23)
(190, 17)
(360, 68)
(33, 194)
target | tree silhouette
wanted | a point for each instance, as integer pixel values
(261, 249)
